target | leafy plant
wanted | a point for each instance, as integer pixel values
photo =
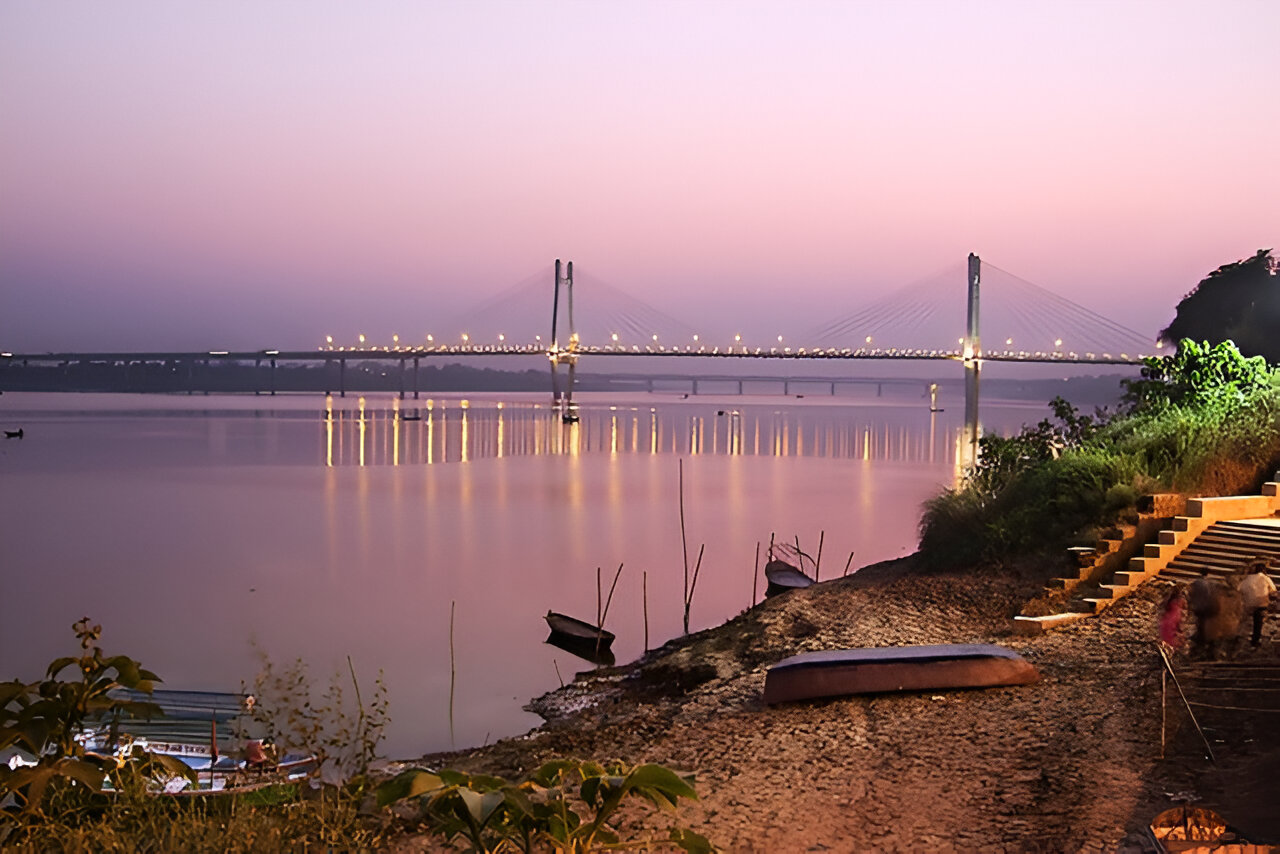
(342, 733)
(1195, 375)
(47, 720)
(567, 805)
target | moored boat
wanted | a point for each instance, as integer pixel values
(840, 672)
(782, 577)
(575, 629)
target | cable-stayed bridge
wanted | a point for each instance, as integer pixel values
(995, 316)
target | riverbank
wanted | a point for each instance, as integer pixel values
(1072, 763)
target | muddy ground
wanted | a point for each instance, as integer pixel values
(1072, 763)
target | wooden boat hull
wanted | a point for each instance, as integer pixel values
(575, 629)
(840, 672)
(782, 577)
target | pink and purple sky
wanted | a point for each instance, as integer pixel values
(249, 175)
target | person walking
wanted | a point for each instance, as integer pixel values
(1202, 599)
(1256, 591)
(1170, 623)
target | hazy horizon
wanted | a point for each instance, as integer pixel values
(242, 175)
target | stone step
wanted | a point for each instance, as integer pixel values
(1113, 591)
(1098, 604)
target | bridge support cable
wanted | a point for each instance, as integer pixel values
(972, 353)
(1050, 318)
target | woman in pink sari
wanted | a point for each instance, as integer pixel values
(1171, 618)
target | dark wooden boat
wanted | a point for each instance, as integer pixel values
(782, 577)
(839, 672)
(580, 638)
(576, 629)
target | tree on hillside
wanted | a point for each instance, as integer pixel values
(1237, 302)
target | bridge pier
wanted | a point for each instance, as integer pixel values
(273, 377)
(695, 387)
(402, 378)
(342, 378)
(739, 387)
(257, 370)
(415, 377)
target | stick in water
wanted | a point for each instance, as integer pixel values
(453, 672)
(645, 596)
(684, 542)
(848, 563)
(688, 601)
(755, 576)
(817, 564)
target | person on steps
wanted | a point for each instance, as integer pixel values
(1256, 591)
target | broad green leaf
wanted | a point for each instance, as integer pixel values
(410, 783)
(661, 780)
(85, 773)
(694, 843)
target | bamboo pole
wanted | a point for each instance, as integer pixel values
(1164, 679)
(817, 564)
(1178, 685)
(453, 671)
(645, 596)
(688, 600)
(684, 542)
(755, 576)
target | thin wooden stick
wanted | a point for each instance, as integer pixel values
(556, 665)
(848, 563)
(609, 599)
(771, 545)
(645, 593)
(755, 576)
(817, 564)
(1178, 685)
(453, 671)
(688, 602)
(684, 542)
(1164, 678)
(599, 616)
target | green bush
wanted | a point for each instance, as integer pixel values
(1204, 421)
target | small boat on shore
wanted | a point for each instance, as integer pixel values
(783, 577)
(840, 672)
(573, 629)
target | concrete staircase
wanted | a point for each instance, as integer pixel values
(1220, 533)
(1224, 547)
(1227, 530)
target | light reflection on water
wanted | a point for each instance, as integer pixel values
(460, 431)
(331, 528)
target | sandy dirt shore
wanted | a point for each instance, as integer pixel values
(1072, 763)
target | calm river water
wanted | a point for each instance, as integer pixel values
(199, 530)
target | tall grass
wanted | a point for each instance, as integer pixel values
(1041, 490)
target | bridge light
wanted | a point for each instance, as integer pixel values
(465, 338)
(1057, 342)
(362, 339)
(328, 339)
(501, 337)
(695, 338)
(1008, 342)
(615, 337)
(779, 339)
(430, 338)
(868, 339)
(655, 338)
(395, 339)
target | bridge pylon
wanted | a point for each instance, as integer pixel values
(567, 355)
(972, 353)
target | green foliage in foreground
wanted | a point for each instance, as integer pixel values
(60, 804)
(1204, 420)
(566, 805)
(44, 718)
